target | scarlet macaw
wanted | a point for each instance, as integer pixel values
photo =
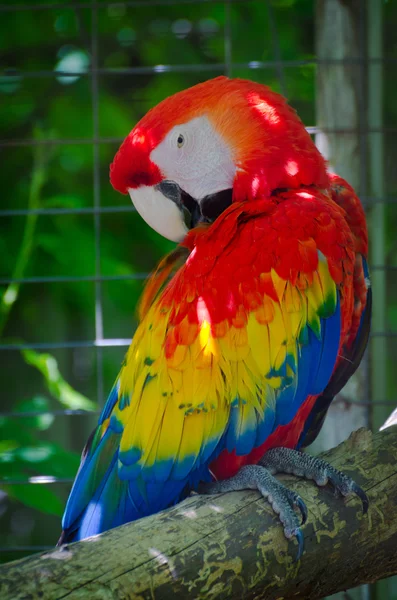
(266, 316)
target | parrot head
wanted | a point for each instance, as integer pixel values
(221, 141)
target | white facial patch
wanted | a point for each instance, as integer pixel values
(159, 212)
(196, 157)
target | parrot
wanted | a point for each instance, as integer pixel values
(248, 328)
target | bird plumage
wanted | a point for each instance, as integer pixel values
(233, 353)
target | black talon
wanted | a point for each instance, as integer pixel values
(296, 501)
(303, 508)
(300, 540)
(362, 495)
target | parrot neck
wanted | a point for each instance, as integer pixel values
(224, 228)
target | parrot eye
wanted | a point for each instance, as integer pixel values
(180, 141)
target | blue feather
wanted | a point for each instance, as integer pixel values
(110, 403)
(93, 471)
(247, 429)
(316, 362)
(331, 329)
(265, 426)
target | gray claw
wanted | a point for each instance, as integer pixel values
(282, 500)
(286, 460)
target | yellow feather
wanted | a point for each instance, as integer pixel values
(171, 431)
(327, 283)
(279, 284)
(258, 341)
(274, 382)
(180, 358)
(192, 436)
(278, 337)
(295, 320)
(313, 319)
(315, 293)
(203, 393)
(164, 381)
(131, 437)
(149, 416)
(232, 346)
(292, 298)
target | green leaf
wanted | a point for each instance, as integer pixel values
(13, 434)
(35, 404)
(27, 454)
(7, 447)
(36, 453)
(37, 496)
(56, 384)
(36, 458)
(61, 463)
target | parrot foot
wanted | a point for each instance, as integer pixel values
(286, 460)
(282, 500)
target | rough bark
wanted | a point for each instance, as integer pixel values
(232, 546)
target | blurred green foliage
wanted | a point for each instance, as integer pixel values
(38, 103)
(22, 454)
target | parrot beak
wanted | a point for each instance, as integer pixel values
(195, 211)
(188, 206)
(171, 211)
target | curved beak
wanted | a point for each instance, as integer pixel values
(189, 207)
(160, 214)
(195, 211)
(171, 211)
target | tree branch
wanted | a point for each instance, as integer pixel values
(232, 546)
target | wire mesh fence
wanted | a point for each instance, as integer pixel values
(198, 29)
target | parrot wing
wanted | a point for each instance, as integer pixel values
(355, 342)
(346, 367)
(229, 351)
